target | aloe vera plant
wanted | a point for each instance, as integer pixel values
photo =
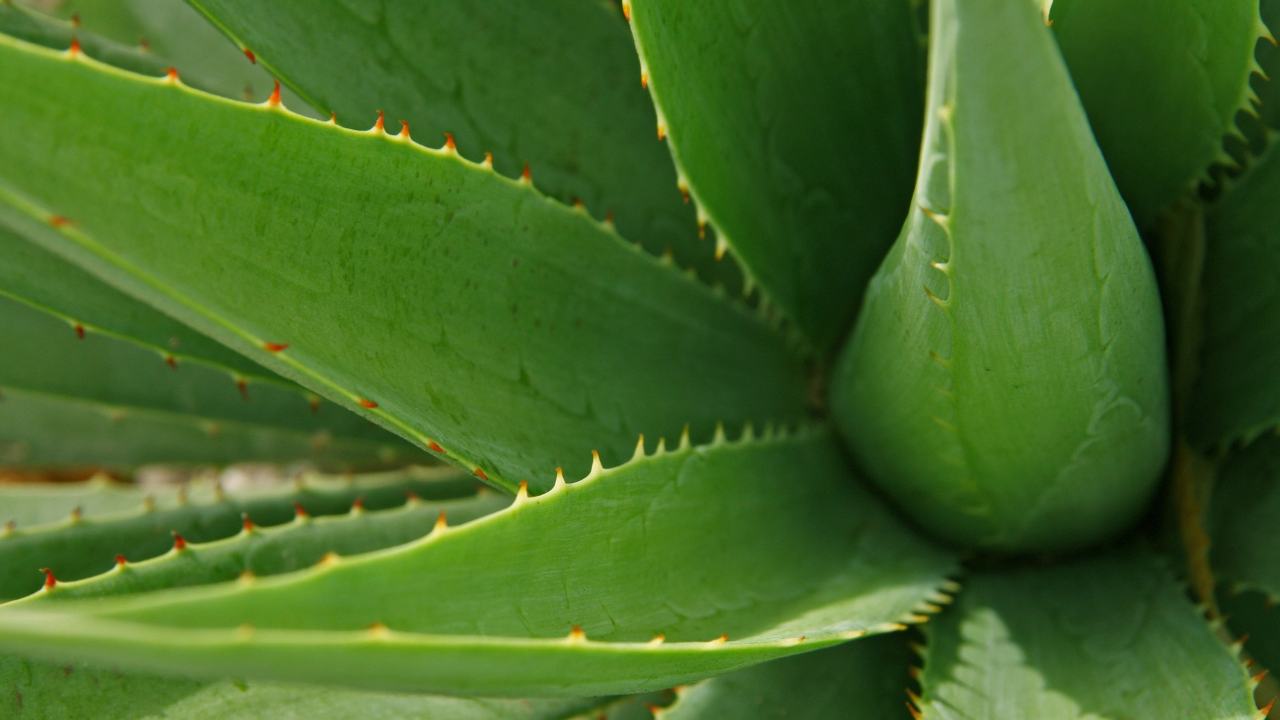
(626, 400)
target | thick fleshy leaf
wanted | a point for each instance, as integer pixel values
(41, 278)
(1162, 83)
(795, 127)
(1112, 636)
(81, 545)
(553, 84)
(40, 691)
(862, 679)
(455, 306)
(1245, 513)
(40, 503)
(21, 22)
(1238, 393)
(53, 357)
(260, 551)
(174, 33)
(526, 602)
(1006, 381)
(1254, 618)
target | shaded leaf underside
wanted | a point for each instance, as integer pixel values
(1237, 396)
(801, 559)
(459, 308)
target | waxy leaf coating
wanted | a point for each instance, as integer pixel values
(1006, 379)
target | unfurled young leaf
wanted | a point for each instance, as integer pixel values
(1006, 380)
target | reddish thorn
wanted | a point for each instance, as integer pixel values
(58, 221)
(435, 447)
(480, 474)
(75, 46)
(171, 74)
(49, 580)
(274, 100)
(1267, 710)
(333, 118)
(171, 361)
(526, 174)
(274, 347)
(626, 11)
(315, 405)
(449, 144)
(608, 217)
(298, 510)
(404, 129)
(246, 522)
(75, 20)
(179, 542)
(644, 80)
(488, 159)
(249, 54)
(367, 403)
(411, 496)
(358, 503)
(79, 331)
(243, 386)
(120, 561)
(380, 123)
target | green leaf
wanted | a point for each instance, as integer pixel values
(554, 84)
(864, 679)
(1006, 380)
(1162, 83)
(81, 545)
(795, 127)
(51, 357)
(801, 559)
(1245, 511)
(1238, 396)
(176, 34)
(40, 503)
(261, 551)
(53, 431)
(459, 308)
(37, 691)
(34, 27)
(1253, 617)
(1111, 636)
(39, 277)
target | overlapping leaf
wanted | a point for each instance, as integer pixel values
(862, 679)
(554, 84)
(1238, 395)
(1162, 83)
(457, 307)
(1244, 512)
(795, 127)
(800, 559)
(1111, 636)
(84, 544)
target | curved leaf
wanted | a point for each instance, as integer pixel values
(50, 356)
(1245, 511)
(38, 691)
(82, 545)
(34, 27)
(796, 127)
(861, 679)
(1237, 396)
(1111, 636)
(1162, 83)
(40, 503)
(554, 84)
(800, 559)
(459, 308)
(1254, 618)
(292, 546)
(1006, 380)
